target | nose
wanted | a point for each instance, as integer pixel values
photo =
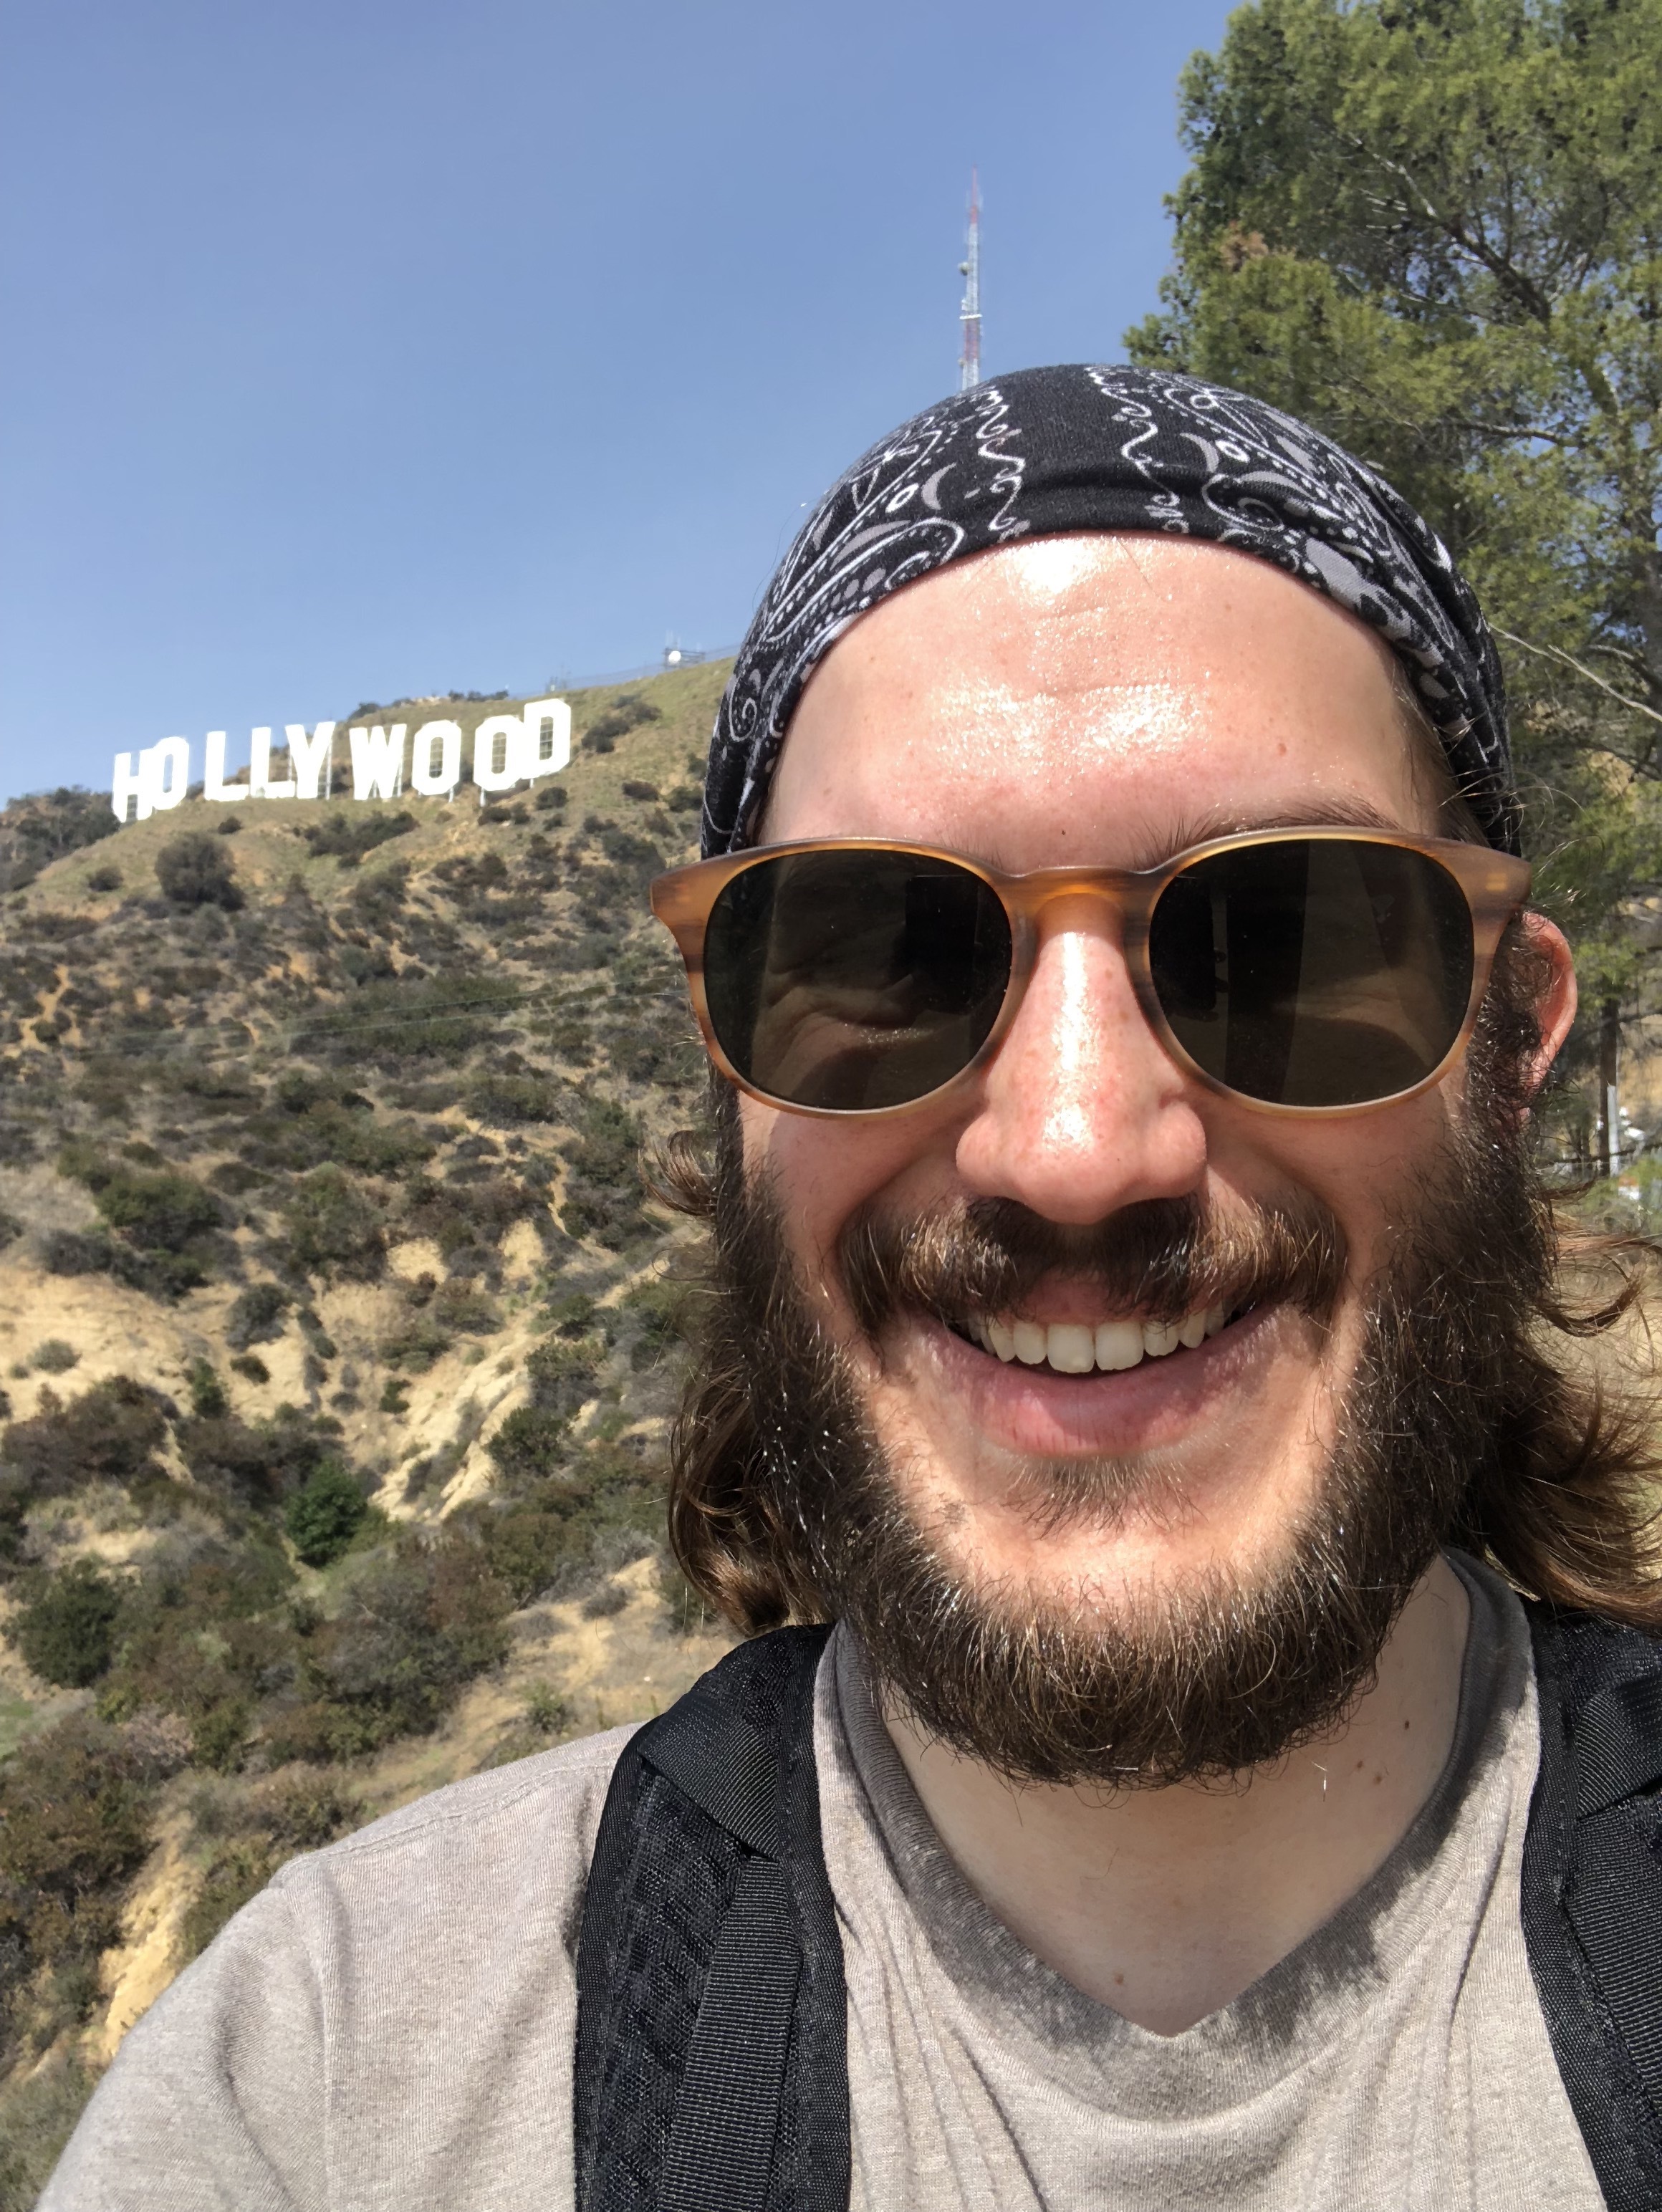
(1082, 1111)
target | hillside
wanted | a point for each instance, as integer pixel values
(338, 1336)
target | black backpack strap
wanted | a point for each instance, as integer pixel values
(1592, 1895)
(712, 2036)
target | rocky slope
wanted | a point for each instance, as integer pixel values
(338, 1336)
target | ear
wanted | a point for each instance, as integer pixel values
(1556, 1007)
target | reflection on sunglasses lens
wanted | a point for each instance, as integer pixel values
(855, 979)
(1314, 971)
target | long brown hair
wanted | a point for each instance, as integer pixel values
(1566, 1504)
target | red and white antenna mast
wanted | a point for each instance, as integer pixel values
(969, 361)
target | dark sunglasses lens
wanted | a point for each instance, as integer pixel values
(853, 979)
(1314, 971)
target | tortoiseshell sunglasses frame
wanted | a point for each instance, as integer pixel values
(1495, 885)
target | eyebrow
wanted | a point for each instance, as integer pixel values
(1200, 828)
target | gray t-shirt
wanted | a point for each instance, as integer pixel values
(388, 2027)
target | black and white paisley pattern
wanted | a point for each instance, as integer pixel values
(1051, 450)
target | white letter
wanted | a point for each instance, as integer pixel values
(555, 716)
(448, 738)
(260, 785)
(131, 783)
(213, 785)
(172, 753)
(511, 730)
(377, 762)
(308, 755)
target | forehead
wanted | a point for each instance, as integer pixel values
(1102, 697)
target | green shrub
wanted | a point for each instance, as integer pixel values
(193, 871)
(66, 1632)
(54, 1356)
(208, 1398)
(250, 1364)
(323, 1518)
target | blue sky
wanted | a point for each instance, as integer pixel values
(358, 349)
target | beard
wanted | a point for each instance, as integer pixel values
(1213, 1670)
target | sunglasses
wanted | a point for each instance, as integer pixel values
(1304, 971)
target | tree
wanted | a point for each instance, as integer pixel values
(193, 871)
(323, 1518)
(1433, 228)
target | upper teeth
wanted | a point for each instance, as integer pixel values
(1074, 1348)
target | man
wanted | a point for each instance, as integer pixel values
(1130, 1329)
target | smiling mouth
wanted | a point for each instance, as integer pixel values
(1083, 1348)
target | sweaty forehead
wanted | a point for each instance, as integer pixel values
(1118, 696)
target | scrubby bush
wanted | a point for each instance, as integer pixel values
(111, 1433)
(201, 1638)
(468, 1312)
(603, 1190)
(54, 1356)
(37, 2113)
(335, 1227)
(260, 1464)
(75, 1820)
(431, 1018)
(164, 1212)
(568, 1527)
(256, 1316)
(323, 1518)
(662, 1308)
(250, 1365)
(463, 1210)
(627, 712)
(416, 1347)
(415, 1627)
(509, 1099)
(349, 834)
(531, 1441)
(193, 871)
(103, 878)
(66, 1629)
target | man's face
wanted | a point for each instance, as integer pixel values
(1106, 702)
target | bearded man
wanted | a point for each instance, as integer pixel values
(1229, 1777)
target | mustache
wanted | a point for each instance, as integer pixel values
(1159, 1259)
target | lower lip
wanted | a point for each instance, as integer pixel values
(1032, 1410)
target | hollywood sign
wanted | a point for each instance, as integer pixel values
(508, 749)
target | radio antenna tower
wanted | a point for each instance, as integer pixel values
(969, 361)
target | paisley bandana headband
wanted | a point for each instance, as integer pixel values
(1050, 450)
